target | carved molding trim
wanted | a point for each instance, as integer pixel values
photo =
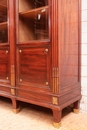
(12, 75)
(55, 46)
(55, 80)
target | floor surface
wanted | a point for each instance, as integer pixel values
(33, 117)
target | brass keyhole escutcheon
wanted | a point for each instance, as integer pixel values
(47, 83)
(20, 80)
(46, 50)
(7, 78)
(20, 51)
(6, 51)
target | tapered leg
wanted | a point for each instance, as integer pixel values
(76, 107)
(16, 108)
(57, 118)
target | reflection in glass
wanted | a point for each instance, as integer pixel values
(40, 3)
(33, 20)
(3, 22)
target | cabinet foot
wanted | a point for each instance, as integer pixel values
(76, 111)
(16, 110)
(76, 107)
(57, 125)
(57, 118)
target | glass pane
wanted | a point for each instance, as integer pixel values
(33, 20)
(3, 21)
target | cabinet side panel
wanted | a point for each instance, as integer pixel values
(68, 42)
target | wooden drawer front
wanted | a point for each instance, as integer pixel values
(33, 67)
(5, 89)
(32, 96)
(4, 72)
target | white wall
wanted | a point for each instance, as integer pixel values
(83, 104)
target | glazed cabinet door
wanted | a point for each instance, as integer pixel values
(33, 19)
(6, 46)
(3, 21)
(33, 49)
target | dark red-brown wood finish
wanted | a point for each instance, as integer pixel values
(42, 68)
(7, 48)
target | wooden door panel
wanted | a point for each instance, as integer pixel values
(4, 60)
(33, 66)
